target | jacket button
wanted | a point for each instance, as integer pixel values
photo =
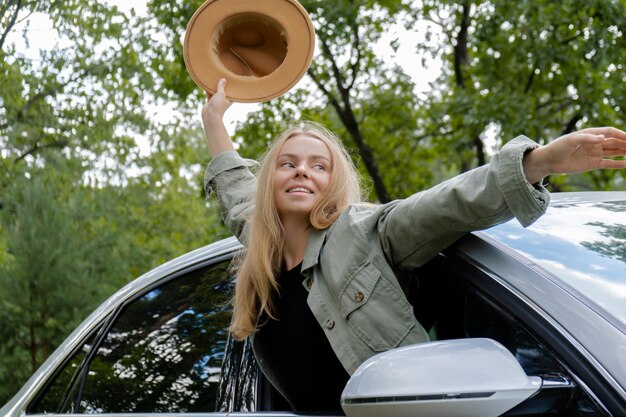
(358, 296)
(330, 324)
(309, 283)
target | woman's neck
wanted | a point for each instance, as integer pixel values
(296, 238)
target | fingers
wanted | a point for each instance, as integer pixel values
(612, 164)
(612, 147)
(608, 131)
(221, 84)
(614, 143)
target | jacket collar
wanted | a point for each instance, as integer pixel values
(313, 248)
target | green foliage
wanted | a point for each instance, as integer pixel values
(538, 68)
(54, 273)
(84, 208)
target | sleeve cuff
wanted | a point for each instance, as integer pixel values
(526, 201)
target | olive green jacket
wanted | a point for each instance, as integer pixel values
(349, 267)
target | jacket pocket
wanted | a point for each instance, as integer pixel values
(376, 309)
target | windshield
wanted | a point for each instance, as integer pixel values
(584, 246)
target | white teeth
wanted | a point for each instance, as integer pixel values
(293, 190)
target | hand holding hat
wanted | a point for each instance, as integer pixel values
(263, 47)
(217, 103)
(213, 111)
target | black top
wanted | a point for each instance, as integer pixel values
(306, 370)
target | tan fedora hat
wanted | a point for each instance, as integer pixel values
(262, 47)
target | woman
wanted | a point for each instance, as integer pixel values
(317, 287)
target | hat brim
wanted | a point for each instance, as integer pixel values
(288, 19)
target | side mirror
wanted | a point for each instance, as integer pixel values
(464, 377)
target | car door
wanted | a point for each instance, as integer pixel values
(456, 299)
(161, 351)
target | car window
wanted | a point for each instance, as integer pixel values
(239, 377)
(162, 353)
(452, 308)
(54, 395)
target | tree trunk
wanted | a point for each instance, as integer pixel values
(461, 59)
(343, 107)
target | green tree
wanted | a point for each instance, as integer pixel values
(85, 97)
(69, 245)
(352, 92)
(72, 175)
(84, 209)
(538, 68)
(55, 271)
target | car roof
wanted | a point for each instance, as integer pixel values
(581, 243)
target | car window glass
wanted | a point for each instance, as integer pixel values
(54, 395)
(483, 318)
(164, 351)
(237, 390)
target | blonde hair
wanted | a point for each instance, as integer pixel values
(262, 258)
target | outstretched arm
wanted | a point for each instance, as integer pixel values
(213, 111)
(581, 151)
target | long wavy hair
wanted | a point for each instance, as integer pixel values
(260, 261)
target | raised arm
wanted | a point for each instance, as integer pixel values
(213, 111)
(580, 151)
(227, 174)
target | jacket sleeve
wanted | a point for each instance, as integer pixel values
(414, 230)
(229, 175)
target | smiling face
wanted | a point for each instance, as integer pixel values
(303, 172)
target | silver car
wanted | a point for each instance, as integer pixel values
(523, 322)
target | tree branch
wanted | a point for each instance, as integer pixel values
(37, 147)
(347, 118)
(346, 115)
(570, 126)
(42, 94)
(354, 68)
(333, 64)
(572, 38)
(329, 95)
(530, 80)
(11, 22)
(444, 30)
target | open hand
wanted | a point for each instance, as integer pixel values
(580, 151)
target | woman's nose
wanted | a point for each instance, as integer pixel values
(302, 171)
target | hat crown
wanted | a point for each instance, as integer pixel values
(250, 45)
(262, 47)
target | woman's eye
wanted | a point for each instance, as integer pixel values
(319, 166)
(287, 164)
